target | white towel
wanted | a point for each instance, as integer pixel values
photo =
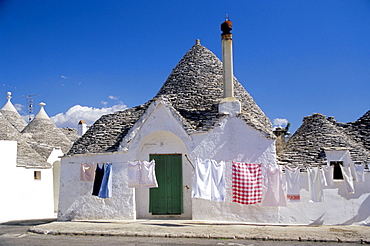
(275, 193)
(133, 171)
(315, 180)
(293, 183)
(348, 180)
(328, 175)
(218, 181)
(148, 178)
(359, 172)
(202, 179)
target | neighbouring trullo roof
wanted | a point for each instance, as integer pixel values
(35, 141)
(317, 133)
(194, 88)
(359, 130)
(12, 115)
(26, 155)
(45, 135)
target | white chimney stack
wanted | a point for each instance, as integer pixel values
(82, 128)
(228, 105)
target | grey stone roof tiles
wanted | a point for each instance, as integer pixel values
(12, 115)
(45, 136)
(26, 155)
(194, 88)
(359, 130)
(317, 133)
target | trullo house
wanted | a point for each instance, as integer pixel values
(201, 111)
(30, 162)
(203, 119)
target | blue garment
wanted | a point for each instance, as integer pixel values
(106, 184)
(99, 173)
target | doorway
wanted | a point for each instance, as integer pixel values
(167, 199)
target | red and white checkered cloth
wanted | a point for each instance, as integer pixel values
(247, 183)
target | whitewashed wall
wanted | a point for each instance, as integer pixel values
(23, 197)
(161, 132)
(76, 201)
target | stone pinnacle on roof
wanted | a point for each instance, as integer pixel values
(12, 115)
(194, 89)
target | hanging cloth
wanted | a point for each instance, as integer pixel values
(202, 179)
(99, 173)
(328, 174)
(147, 175)
(348, 180)
(359, 171)
(275, 195)
(133, 171)
(209, 180)
(293, 183)
(105, 190)
(218, 189)
(315, 183)
(246, 183)
(87, 172)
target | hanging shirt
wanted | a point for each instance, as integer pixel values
(275, 195)
(87, 172)
(133, 171)
(348, 180)
(328, 175)
(202, 179)
(147, 174)
(105, 190)
(99, 173)
(218, 187)
(293, 183)
(246, 183)
(315, 183)
(359, 171)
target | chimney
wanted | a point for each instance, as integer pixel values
(228, 105)
(82, 128)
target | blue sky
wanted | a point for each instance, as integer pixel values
(85, 58)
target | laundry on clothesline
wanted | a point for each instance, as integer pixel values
(348, 179)
(315, 184)
(293, 183)
(87, 172)
(275, 187)
(246, 183)
(141, 174)
(105, 190)
(209, 180)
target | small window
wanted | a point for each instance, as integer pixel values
(337, 170)
(37, 175)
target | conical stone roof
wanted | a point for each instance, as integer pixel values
(359, 130)
(26, 155)
(194, 88)
(317, 133)
(46, 135)
(12, 115)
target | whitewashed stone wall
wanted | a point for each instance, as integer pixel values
(23, 197)
(75, 199)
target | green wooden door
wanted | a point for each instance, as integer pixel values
(167, 198)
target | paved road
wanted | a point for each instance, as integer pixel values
(15, 233)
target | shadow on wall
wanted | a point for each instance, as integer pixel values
(363, 214)
(318, 221)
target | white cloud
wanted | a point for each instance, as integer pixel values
(104, 103)
(64, 77)
(87, 114)
(19, 107)
(280, 122)
(113, 97)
